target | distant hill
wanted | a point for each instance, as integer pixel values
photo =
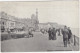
(50, 24)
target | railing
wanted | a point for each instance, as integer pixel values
(75, 40)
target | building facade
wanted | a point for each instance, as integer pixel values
(9, 23)
(3, 21)
(32, 22)
(12, 23)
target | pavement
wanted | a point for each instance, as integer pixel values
(37, 43)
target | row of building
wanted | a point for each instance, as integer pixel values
(12, 23)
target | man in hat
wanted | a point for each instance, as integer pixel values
(49, 32)
(65, 36)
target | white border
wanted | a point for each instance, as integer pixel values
(53, 51)
(39, 0)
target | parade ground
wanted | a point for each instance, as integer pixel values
(39, 42)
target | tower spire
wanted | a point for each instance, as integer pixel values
(36, 13)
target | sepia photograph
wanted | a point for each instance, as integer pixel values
(39, 26)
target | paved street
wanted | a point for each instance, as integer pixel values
(39, 42)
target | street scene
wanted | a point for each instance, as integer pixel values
(39, 42)
(45, 27)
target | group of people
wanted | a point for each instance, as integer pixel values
(66, 32)
(52, 33)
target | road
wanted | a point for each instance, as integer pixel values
(39, 42)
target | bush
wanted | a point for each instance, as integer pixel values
(12, 36)
(5, 37)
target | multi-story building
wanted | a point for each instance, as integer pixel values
(3, 21)
(33, 22)
(9, 23)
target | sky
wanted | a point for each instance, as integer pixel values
(61, 12)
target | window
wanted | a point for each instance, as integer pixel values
(2, 28)
(12, 24)
(3, 23)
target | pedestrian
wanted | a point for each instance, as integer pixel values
(53, 34)
(69, 35)
(49, 32)
(30, 33)
(65, 36)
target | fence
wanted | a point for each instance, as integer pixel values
(75, 40)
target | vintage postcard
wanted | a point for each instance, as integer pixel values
(34, 26)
